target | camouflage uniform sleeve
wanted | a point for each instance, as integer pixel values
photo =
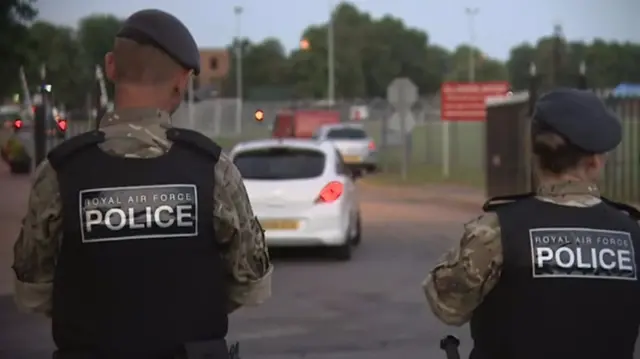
(244, 249)
(467, 273)
(36, 248)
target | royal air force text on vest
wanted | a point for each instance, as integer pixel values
(147, 216)
(586, 250)
(139, 212)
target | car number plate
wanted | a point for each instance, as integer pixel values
(280, 225)
(351, 159)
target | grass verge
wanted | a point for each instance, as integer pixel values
(422, 175)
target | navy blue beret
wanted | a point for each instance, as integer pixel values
(165, 32)
(581, 118)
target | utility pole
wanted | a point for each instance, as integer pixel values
(556, 56)
(471, 14)
(331, 58)
(41, 115)
(237, 10)
(582, 76)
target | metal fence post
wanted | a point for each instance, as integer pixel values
(582, 76)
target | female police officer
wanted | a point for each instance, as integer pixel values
(551, 274)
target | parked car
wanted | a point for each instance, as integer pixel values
(302, 123)
(358, 150)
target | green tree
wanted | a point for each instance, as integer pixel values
(438, 66)
(308, 68)
(96, 34)
(393, 50)
(486, 69)
(559, 61)
(56, 48)
(611, 63)
(14, 44)
(518, 65)
(264, 68)
(369, 54)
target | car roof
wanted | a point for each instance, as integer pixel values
(284, 142)
(333, 126)
(10, 109)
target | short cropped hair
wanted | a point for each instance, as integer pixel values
(554, 153)
(142, 64)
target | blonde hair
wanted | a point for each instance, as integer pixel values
(142, 64)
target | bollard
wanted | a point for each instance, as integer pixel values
(450, 346)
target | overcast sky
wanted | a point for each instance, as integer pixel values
(499, 25)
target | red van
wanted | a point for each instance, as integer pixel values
(302, 123)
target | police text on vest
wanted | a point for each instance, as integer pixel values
(139, 212)
(582, 253)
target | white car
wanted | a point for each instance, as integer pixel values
(354, 144)
(302, 193)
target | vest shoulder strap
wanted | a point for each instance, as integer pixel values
(66, 149)
(496, 202)
(195, 140)
(632, 211)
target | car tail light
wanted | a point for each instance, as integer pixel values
(62, 125)
(331, 192)
(372, 146)
(17, 124)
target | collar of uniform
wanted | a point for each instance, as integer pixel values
(136, 115)
(569, 187)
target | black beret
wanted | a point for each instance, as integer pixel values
(165, 32)
(580, 117)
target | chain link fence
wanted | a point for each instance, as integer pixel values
(426, 150)
(462, 151)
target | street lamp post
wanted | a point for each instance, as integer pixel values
(237, 10)
(330, 58)
(471, 13)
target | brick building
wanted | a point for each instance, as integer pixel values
(214, 67)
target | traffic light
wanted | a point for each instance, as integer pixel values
(17, 124)
(259, 115)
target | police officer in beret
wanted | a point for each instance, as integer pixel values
(140, 238)
(554, 273)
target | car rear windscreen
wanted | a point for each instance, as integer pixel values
(346, 134)
(9, 116)
(280, 163)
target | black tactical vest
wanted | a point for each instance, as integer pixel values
(139, 270)
(569, 286)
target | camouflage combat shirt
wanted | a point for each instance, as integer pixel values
(469, 271)
(140, 133)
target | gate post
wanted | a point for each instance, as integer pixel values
(582, 76)
(534, 85)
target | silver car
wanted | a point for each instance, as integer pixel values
(357, 148)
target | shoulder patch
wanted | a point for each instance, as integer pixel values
(58, 155)
(194, 140)
(632, 211)
(496, 202)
